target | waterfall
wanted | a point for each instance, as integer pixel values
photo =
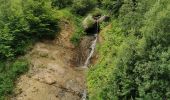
(92, 47)
(84, 95)
(92, 51)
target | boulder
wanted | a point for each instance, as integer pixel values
(104, 18)
(88, 22)
(91, 24)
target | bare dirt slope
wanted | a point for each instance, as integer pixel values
(52, 75)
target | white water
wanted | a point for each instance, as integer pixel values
(92, 51)
(92, 47)
(84, 95)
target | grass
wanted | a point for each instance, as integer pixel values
(79, 32)
(76, 20)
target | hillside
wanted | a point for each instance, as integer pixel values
(51, 75)
(84, 49)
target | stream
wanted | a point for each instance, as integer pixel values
(93, 46)
(92, 50)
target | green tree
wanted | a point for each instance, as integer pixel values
(135, 66)
(62, 3)
(82, 7)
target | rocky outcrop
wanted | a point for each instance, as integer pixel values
(88, 22)
(104, 18)
(91, 24)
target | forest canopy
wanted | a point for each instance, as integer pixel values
(135, 56)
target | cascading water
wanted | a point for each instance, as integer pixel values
(93, 46)
(84, 97)
(92, 51)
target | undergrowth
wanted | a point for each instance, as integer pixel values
(9, 72)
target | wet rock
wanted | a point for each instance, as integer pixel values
(84, 49)
(88, 22)
(104, 18)
(90, 25)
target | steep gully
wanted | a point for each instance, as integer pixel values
(54, 74)
(92, 46)
(90, 56)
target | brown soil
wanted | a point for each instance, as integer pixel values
(53, 74)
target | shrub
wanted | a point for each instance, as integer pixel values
(21, 22)
(88, 22)
(62, 3)
(24, 21)
(112, 6)
(133, 67)
(82, 7)
(39, 15)
(79, 31)
(9, 73)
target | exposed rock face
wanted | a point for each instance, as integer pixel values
(88, 22)
(52, 75)
(94, 29)
(91, 23)
(104, 18)
(84, 49)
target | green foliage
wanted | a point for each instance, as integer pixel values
(62, 3)
(39, 15)
(112, 6)
(97, 11)
(22, 22)
(9, 73)
(64, 15)
(82, 7)
(88, 21)
(135, 56)
(79, 31)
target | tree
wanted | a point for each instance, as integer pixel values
(134, 67)
(81, 7)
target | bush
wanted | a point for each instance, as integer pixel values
(22, 22)
(133, 67)
(88, 22)
(62, 3)
(79, 31)
(82, 7)
(8, 74)
(112, 6)
(39, 15)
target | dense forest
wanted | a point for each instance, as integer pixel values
(134, 56)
